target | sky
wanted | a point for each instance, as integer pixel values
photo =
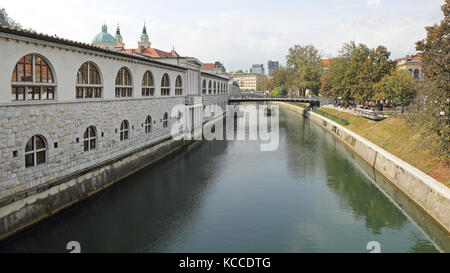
(237, 33)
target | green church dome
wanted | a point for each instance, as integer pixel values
(104, 36)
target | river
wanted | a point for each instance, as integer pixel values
(310, 195)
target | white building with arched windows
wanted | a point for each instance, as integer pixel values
(67, 108)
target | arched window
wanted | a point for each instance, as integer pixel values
(90, 139)
(209, 88)
(32, 79)
(165, 85)
(204, 87)
(148, 124)
(124, 86)
(215, 88)
(178, 86)
(124, 130)
(89, 83)
(166, 120)
(416, 73)
(35, 152)
(148, 87)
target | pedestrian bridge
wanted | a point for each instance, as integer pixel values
(312, 102)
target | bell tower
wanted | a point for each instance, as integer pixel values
(144, 42)
(118, 37)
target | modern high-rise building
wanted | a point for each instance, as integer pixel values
(271, 65)
(257, 69)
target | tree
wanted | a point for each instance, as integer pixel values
(434, 97)
(337, 79)
(398, 88)
(280, 76)
(263, 84)
(304, 62)
(353, 75)
(280, 91)
(6, 21)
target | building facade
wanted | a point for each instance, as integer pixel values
(66, 106)
(248, 81)
(257, 69)
(216, 68)
(413, 64)
(271, 66)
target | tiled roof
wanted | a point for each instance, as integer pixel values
(151, 52)
(208, 66)
(408, 58)
(174, 53)
(326, 63)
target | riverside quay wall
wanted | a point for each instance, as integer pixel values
(75, 118)
(428, 193)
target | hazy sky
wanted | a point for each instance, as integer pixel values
(238, 33)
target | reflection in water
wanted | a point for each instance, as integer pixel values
(307, 196)
(361, 196)
(356, 193)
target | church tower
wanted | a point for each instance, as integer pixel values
(118, 37)
(145, 41)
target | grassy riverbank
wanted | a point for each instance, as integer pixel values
(397, 137)
(299, 104)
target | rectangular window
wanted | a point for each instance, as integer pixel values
(89, 93)
(29, 160)
(146, 92)
(98, 93)
(92, 144)
(17, 93)
(40, 158)
(48, 93)
(79, 93)
(33, 93)
(165, 91)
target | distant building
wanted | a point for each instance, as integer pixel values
(257, 69)
(216, 68)
(119, 40)
(271, 66)
(107, 41)
(247, 81)
(413, 64)
(104, 39)
(326, 63)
